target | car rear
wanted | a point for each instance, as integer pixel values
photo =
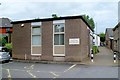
(4, 54)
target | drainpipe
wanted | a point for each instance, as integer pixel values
(25, 56)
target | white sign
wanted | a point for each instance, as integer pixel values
(74, 41)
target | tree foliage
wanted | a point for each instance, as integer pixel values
(90, 21)
(3, 41)
(102, 37)
(8, 45)
(54, 16)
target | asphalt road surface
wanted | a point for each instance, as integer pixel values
(40, 70)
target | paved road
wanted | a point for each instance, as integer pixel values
(39, 70)
(105, 56)
(0, 71)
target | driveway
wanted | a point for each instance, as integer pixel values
(103, 58)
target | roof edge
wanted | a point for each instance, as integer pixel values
(51, 19)
(116, 26)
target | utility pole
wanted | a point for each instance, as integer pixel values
(96, 27)
(96, 35)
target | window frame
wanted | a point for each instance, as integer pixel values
(58, 33)
(40, 35)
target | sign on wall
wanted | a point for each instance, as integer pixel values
(74, 41)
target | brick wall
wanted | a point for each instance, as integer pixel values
(21, 40)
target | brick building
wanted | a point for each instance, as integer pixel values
(56, 39)
(109, 38)
(116, 34)
(5, 28)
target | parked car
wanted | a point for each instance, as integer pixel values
(4, 54)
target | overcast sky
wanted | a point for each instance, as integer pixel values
(105, 13)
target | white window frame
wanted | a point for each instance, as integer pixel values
(36, 35)
(35, 24)
(54, 23)
(59, 33)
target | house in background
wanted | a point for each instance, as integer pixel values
(56, 39)
(109, 38)
(116, 34)
(5, 28)
(96, 40)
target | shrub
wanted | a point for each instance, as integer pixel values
(8, 46)
(95, 49)
(3, 41)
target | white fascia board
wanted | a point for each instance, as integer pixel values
(58, 21)
(36, 23)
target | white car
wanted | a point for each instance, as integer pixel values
(4, 54)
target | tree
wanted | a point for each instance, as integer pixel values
(90, 21)
(102, 37)
(3, 41)
(54, 16)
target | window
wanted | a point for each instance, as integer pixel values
(59, 34)
(59, 27)
(36, 34)
(7, 29)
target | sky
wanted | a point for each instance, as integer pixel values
(105, 13)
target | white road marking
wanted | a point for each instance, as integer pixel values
(54, 74)
(31, 74)
(31, 66)
(38, 71)
(25, 67)
(8, 70)
(70, 67)
(30, 70)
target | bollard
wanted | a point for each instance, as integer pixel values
(91, 55)
(114, 56)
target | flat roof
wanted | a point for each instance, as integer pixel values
(51, 19)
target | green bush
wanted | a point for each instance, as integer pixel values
(3, 41)
(95, 49)
(0, 41)
(8, 46)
